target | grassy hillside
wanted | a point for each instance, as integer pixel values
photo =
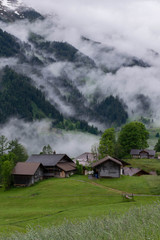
(52, 201)
(137, 185)
(145, 164)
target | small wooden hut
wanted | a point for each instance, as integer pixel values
(26, 174)
(107, 167)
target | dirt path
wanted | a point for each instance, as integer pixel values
(116, 190)
(101, 186)
(107, 188)
(122, 192)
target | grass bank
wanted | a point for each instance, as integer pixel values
(145, 164)
(138, 223)
(52, 201)
(139, 185)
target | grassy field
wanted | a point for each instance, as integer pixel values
(138, 185)
(52, 201)
(146, 184)
(140, 223)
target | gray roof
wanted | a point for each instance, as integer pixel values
(107, 158)
(129, 171)
(47, 159)
(138, 151)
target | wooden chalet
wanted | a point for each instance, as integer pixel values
(142, 153)
(55, 165)
(26, 173)
(107, 167)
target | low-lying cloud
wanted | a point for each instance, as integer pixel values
(124, 29)
(34, 136)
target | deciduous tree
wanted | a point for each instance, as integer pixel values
(157, 146)
(133, 136)
(19, 151)
(47, 150)
(107, 143)
(7, 167)
(4, 145)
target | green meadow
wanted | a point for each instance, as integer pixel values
(54, 201)
(145, 164)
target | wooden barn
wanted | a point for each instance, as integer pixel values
(142, 153)
(107, 167)
(55, 165)
(26, 174)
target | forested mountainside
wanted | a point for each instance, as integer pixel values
(9, 47)
(53, 79)
(19, 98)
(44, 53)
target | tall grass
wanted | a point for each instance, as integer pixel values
(140, 223)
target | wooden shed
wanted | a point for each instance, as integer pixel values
(26, 174)
(107, 167)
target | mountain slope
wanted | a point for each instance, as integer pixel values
(67, 78)
(13, 10)
(9, 47)
(20, 99)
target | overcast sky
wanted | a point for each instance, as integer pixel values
(128, 24)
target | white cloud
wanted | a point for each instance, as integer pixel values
(38, 134)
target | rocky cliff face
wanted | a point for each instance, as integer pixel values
(12, 10)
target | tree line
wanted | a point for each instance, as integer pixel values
(11, 152)
(133, 135)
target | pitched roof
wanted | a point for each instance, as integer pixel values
(124, 163)
(47, 159)
(153, 173)
(25, 168)
(66, 167)
(107, 158)
(129, 171)
(138, 151)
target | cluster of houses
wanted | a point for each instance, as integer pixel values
(43, 166)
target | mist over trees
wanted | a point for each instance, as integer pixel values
(19, 98)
